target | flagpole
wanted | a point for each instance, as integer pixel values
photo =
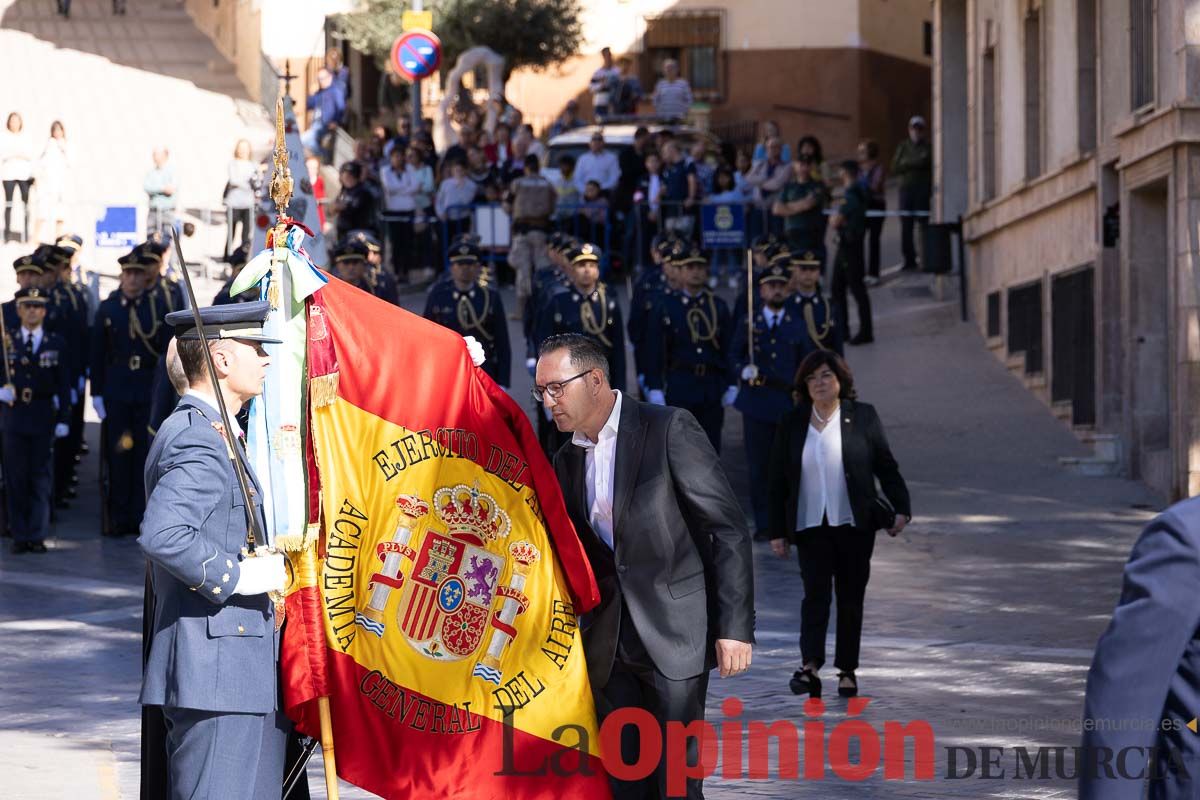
(280, 190)
(750, 304)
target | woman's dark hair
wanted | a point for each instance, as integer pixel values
(818, 154)
(872, 148)
(727, 173)
(824, 358)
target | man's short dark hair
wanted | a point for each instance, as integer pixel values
(566, 160)
(641, 131)
(585, 353)
(532, 163)
(836, 364)
(850, 167)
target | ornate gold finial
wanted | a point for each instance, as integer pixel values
(281, 182)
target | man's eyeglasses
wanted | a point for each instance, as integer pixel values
(554, 388)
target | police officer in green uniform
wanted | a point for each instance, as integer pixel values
(128, 338)
(849, 265)
(463, 305)
(35, 406)
(689, 363)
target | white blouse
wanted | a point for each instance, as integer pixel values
(823, 491)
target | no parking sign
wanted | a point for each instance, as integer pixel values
(417, 54)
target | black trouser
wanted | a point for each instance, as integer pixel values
(912, 201)
(233, 218)
(27, 482)
(848, 273)
(402, 240)
(128, 444)
(874, 232)
(758, 436)
(9, 191)
(636, 683)
(833, 559)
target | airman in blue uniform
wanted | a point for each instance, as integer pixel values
(812, 308)
(548, 283)
(689, 363)
(128, 338)
(163, 289)
(643, 302)
(463, 305)
(589, 308)
(767, 376)
(36, 411)
(71, 279)
(29, 271)
(382, 281)
(350, 264)
(237, 261)
(212, 664)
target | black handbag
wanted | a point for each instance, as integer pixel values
(883, 516)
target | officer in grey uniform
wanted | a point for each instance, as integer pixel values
(214, 649)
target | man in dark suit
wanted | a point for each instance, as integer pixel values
(666, 540)
(1143, 690)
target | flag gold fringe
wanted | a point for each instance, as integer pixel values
(322, 390)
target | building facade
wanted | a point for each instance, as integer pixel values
(842, 71)
(1067, 137)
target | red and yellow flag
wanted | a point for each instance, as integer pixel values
(440, 619)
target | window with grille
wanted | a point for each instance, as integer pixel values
(987, 183)
(694, 40)
(1141, 53)
(1033, 94)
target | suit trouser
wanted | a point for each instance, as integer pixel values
(833, 559)
(910, 201)
(848, 273)
(225, 756)
(758, 436)
(128, 444)
(635, 682)
(28, 458)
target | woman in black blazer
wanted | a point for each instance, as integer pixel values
(828, 451)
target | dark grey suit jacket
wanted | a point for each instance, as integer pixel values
(682, 564)
(211, 649)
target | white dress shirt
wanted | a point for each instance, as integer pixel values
(823, 492)
(604, 169)
(600, 461)
(771, 317)
(36, 333)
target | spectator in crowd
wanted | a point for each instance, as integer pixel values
(564, 186)
(328, 104)
(568, 120)
(801, 204)
(811, 146)
(705, 167)
(672, 94)
(632, 164)
(766, 179)
(530, 144)
(392, 95)
(162, 188)
(913, 165)
(355, 207)
(17, 156)
(403, 137)
(593, 213)
(850, 222)
(454, 198)
(605, 82)
(681, 191)
(725, 261)
(52, 171)
(242, 180)
(647, 199)
(629, 89)
(499, 152)
(481, 173)
(313, 165)
(532, 201)
(771, 131)
(338, 70)
(873, 178)
(407, 191)
(467, 138)
(597, 164)
(742, 165)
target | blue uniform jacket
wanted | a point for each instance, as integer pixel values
(689, 347)
(211, 649)
(597, 316)
(127, 338)
(478, 312)
(41, 383)
(820, 332)
(777, 354)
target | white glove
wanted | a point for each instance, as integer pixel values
(262, 574)
(475, 349)
(74, 396)
(730, 396)
(7, 395)
(531, 365)
(656, 397)
(61, 430)
(749, 373)
(98, 404)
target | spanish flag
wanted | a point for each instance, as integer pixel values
(439, 613)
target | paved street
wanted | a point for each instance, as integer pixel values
(980, 618)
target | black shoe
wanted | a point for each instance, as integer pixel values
(37, 547)
(805, 681)
(861, 339)
(20, 547)
(847, 691)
